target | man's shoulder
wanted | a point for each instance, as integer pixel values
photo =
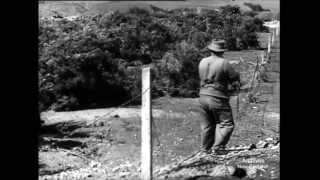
(211, 58)
(217, 60)
(204, 60)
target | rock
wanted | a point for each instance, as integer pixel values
(188, 172)
(123, 174)
(253, 171)
(239, 173)
(252, 146)
(269, 139)
(262, 144)
(116, 169)
(222, 170)
(275, 147)
(101, 123)
(242, 146)
(94, 164)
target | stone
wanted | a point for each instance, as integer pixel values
(222, 170)
(269, 139)
(101, 123)
(275, 146)
(253, 171)
(252, 146)
(93, 164)
(262, 144)
(124, 174)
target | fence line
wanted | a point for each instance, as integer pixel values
(153, 124)
(251, 89)
(121, 105)
(195, 91)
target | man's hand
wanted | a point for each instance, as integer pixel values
(234, 88)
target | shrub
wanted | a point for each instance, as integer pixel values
(265, 16)
(139, 11)
(255, 7)
(247, 35)
(95, 61)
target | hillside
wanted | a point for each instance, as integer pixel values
(70, 8)
(103, 142)
(71, 145)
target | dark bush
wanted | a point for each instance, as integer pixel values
(139, 11)
(255, 7)
(250, 13)
(265, 16)
(96, 61)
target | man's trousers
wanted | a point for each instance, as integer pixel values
(216, 122)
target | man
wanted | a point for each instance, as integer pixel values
(216, 78)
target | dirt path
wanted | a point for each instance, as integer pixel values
(90, 116)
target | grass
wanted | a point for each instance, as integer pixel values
(177, 133)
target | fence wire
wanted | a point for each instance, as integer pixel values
(255, 84)
(254, 87)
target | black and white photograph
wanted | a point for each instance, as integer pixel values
(162, 90)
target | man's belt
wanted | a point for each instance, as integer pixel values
(216, 86)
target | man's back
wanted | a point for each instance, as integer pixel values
(215, 70)
(211, 69)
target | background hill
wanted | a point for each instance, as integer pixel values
(70, 8)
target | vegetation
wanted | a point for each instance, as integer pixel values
(95, 61)
(255, 7)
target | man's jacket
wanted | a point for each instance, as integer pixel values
(216, 76)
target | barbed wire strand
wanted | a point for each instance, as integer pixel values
(252, 88)
(121, 105)
(256, 87)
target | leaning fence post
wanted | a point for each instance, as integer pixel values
(269, 43)
(146, 140)
(254, 74)
(273, 35)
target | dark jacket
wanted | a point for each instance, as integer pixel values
(216, 75)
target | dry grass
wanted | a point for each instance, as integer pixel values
(176, 134)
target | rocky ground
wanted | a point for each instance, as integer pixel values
(105, 143)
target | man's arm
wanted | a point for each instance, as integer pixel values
(233, 75)
(233, 78)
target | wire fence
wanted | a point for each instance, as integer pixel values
(158, 132)
(248, 93)
(252, 89)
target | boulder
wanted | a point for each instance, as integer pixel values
(252, 146)
(262, 144)
(222, 170)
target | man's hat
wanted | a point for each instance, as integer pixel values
(217, 46)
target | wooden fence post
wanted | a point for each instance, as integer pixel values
(254, 74)
(273, 35)
(146, 140)
(269, 43)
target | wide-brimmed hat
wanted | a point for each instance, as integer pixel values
(217, 46)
